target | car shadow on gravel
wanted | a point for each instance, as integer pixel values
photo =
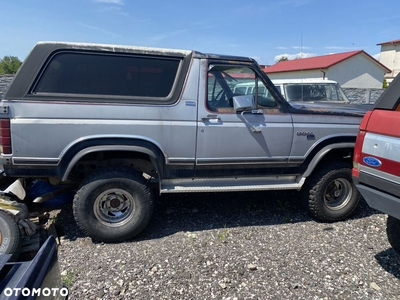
(205, 211)
(390, 261)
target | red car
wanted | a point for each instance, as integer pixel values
(376, 165)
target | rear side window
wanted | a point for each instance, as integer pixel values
(114, 75)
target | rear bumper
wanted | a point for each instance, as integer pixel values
(380, 201)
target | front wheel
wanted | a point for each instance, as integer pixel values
(332, 194)
(113, 205)
(393, 233)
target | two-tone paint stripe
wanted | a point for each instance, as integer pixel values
(384, 149)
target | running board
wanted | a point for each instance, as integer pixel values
(190, 185)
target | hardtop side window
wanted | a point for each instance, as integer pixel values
(114, 75)
(225, 82)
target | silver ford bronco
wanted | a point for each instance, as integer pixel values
(127, 123)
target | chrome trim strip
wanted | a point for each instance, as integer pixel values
(35, 161)
(240, 160)
(188, 185)
(377, 173)
(180, 162)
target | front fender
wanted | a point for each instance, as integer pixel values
(322, 153)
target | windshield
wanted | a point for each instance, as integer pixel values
(313, 92)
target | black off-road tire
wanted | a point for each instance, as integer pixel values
(332, 196)
(113, 205)
(393, 233)
(10, 235)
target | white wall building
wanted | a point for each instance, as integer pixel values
(355, 69)
(390, 57)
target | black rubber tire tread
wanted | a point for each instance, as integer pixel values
(316, 187)
(123, 178)
(11, 235)
(393, 233)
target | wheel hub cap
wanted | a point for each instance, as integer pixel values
(115, 204)
(114, 207)
(338, 194)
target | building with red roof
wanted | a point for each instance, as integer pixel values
(390, 57)
(355, 69)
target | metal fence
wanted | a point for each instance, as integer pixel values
(361, 96)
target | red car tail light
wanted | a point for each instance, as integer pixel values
(5, 136)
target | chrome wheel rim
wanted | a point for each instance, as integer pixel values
(114, 207)
(338, 194)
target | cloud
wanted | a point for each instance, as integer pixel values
(265, 9)
(168, 34)
(386, 18)
(117, 2)
(377, 56)
(294, 56)
(252, 9)
(339, 48)
(295, 3)
(293, 47)
(113, 9)
(198, 26)
(300, 47)
(98, 29)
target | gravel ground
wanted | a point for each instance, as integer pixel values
(234, 246)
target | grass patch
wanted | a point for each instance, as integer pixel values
(224, 235)
(70, 278)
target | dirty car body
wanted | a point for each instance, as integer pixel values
(376, 170)
(167, 121)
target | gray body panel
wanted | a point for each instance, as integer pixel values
(45, 130)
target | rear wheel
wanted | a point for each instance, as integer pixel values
(393, 233)
(332, 196)
(113, 205)
(10, 236)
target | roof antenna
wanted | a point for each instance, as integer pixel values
(302, 62)
(301, 45)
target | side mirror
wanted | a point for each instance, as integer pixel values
(242, 103)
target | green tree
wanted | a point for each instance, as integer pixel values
(9, 65)
(283, 58)
(385, 84)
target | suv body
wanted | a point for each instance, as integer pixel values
(126, 122)
(376, 171)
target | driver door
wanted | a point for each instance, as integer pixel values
(254, 142)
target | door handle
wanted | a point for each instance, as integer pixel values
(211, 117)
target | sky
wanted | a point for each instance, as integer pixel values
(265, 30)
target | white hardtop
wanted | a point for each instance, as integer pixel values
(303, 80)
(111, 47)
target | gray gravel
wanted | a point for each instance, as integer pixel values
(234, 246)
